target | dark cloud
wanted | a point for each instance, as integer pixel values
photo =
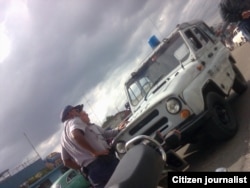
(63, 51)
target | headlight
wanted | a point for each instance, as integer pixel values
(173, 105)
(120, 147)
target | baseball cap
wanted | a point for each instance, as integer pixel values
(67, 109)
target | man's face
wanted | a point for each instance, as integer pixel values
(74, 112)
(84, 116)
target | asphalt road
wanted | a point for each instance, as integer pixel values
(235, 153)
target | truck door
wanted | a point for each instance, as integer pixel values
(201, 44)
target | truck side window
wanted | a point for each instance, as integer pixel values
(208, 32)
(193, 40)
(135, 94)
(202, 38)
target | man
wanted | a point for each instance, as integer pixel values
(236, 11)
(84, 145)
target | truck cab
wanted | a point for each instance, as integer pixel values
(183, 86)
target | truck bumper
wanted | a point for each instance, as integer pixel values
(191, 126)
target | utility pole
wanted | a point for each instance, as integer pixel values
(92, 110)
(155, 27)
(33, 147)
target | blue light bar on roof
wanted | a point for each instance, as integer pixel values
(153, 41)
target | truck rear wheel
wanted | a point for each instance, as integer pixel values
(222, 124)
(240, 83)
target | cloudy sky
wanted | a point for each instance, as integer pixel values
(54, 53)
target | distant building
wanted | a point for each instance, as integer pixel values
(15, 180)
(115, 120)
(54, 159)
(25, 173)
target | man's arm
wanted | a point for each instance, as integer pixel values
(71, 164)
(122, 125)
(67, 160)
(245, 14)
(78, 135)
(110, 134)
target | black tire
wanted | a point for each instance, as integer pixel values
(240, 83)
(223, 124)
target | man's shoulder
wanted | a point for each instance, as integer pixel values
(75, 123)
(95, 125)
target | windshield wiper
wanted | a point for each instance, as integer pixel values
(156, 82)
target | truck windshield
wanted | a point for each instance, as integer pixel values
(168, 56)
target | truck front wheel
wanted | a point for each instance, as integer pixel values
(222, 124)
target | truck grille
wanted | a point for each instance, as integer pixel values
(156, 126)
(145, 121)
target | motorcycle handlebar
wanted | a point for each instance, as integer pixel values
(151, 140)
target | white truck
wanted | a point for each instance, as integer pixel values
(183, 86)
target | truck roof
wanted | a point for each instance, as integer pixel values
(147, 59)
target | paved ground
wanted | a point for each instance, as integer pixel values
(243, 52)
(235, 153)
